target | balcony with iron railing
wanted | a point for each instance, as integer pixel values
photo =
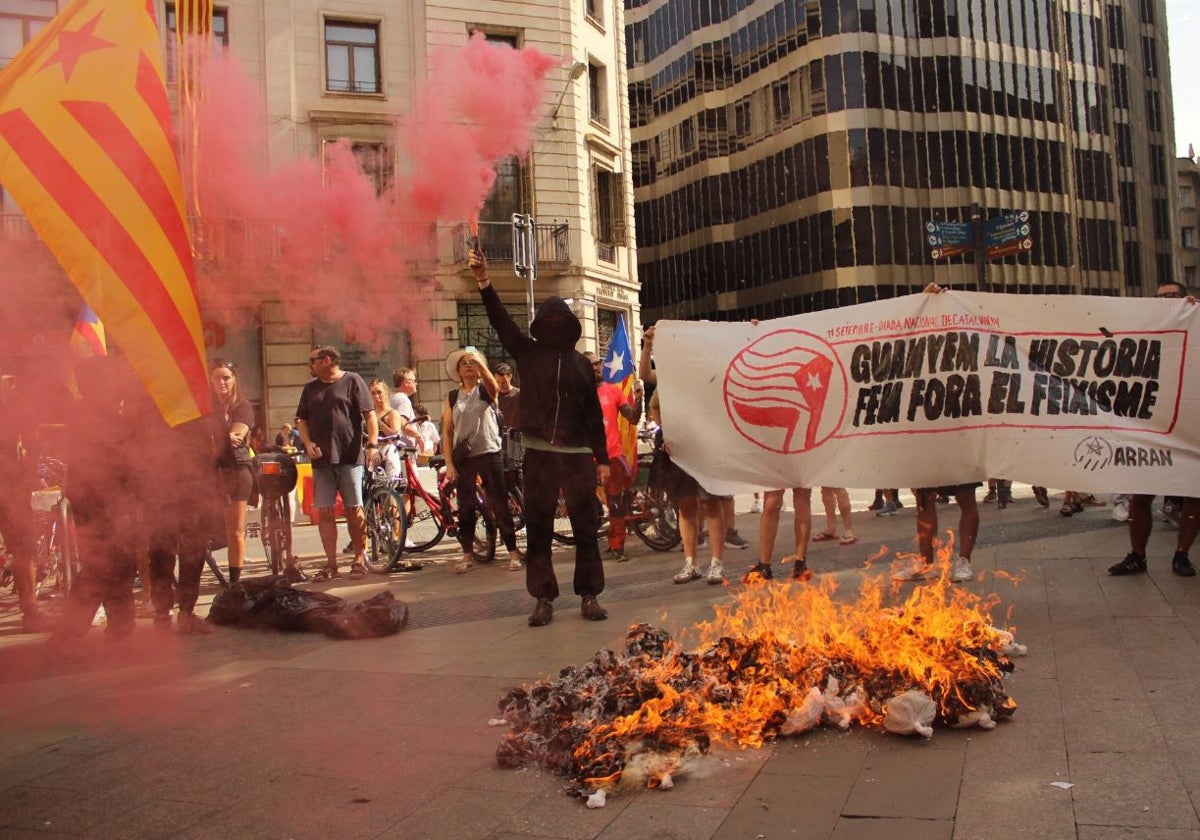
(495, 238)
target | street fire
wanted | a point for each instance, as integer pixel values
(778, 660)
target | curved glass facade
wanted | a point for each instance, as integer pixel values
(789, 153)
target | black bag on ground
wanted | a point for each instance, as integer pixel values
(273, 603)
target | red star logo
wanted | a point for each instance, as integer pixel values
(72, 44)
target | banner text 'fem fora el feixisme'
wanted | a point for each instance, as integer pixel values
(933, 389)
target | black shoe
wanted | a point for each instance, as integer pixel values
(1133, 564)
(33, 621)
(189, 624)
(761, 571)
(543, 613)
(591, 609)
(1182, 566)
(1043, 498)
(800, 570)
(990, 496)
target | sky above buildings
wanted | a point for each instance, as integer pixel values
(1183, 26)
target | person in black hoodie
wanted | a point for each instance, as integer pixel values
(562, 430)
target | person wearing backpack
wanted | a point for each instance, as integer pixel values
(471, 443)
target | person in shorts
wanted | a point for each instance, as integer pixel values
(685, 490)
(334, 417)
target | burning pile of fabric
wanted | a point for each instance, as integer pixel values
(778, 660)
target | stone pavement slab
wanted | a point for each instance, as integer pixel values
(246, 734)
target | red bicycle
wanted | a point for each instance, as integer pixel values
(431, 516)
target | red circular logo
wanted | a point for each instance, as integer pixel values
(786, 392)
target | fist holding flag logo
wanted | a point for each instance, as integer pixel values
(785, 392)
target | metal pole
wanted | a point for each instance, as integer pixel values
(525, 254)
(980, 248)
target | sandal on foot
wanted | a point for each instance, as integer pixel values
(824, 536)
(851, 540)
(464, 567)
(358, 571)
(328, 573)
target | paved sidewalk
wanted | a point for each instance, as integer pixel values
(246, 734)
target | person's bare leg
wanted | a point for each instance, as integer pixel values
(327, 528)
(356, 523)
(768, 525)
(714, 516)
(927, 523)
(968, 521)
(235, 535)
(843, 502)
(802, 528)
(829, 502)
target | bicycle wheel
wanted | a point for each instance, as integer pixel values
(385, 528)
(656, 519)
(272, 533)
(424, 528)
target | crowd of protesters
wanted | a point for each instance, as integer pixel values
(187, 490)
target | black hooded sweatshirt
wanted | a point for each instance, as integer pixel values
(558, 387)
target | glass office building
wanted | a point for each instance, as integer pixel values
(788, 155)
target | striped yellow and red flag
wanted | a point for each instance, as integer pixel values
(86, 150)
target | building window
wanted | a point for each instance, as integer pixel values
(606, 325)
(375, 160)
(474, 330)
(594, 10)
(608, 212)
(687, 135)
(1188, 237)
(351, 57)
(1150, 57)
(743, 120)
(598, 94)
(220, 38)
(511, 193)
(1189, 276)
(781, 101)
(1187, 197)
(16, 30)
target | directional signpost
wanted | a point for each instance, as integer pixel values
(988, 239)
(1006, 235)
(948, 239)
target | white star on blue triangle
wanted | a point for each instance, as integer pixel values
(618, 366)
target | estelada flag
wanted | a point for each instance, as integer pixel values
(87, 339)
(619, 369)
(86, 150)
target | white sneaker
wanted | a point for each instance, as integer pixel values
(914, 571)
(1120, 510)
(716, 574)
(962, 570)
(756, 506)
(688, 573)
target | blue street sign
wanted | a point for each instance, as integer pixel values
(947, 233)
(1010, 227)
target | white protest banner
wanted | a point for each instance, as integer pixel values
(1073, 392)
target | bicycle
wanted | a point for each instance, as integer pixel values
(56, 551)
(383, 511)
(277, 475)
(430, 518)
(650, 513)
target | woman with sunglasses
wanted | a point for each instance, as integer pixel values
(235, 417)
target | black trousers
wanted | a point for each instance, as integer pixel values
(166, 589)
(545, 473)
(490, 468)
(108, 563)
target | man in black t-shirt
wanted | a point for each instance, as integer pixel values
(334, 415)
